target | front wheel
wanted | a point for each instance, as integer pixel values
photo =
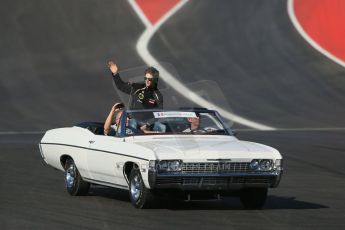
(75, 185)
(140, 196)
(253, 198)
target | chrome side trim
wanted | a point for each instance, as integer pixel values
(105, 183)
(98, 150)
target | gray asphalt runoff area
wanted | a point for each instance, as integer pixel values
(53, 74)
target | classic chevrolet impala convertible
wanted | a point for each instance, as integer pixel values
(184, 152)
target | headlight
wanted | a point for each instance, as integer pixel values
(254, 164)
(266, 165)
(170, 166)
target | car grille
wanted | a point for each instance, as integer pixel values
(218, 167)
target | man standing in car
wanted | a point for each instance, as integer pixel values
(144, 95)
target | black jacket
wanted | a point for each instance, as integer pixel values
(142, 97)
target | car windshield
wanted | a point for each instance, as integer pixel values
(201, 122)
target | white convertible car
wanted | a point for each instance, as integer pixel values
(185, 153)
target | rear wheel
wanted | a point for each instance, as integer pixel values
(140, 196)
(253, 198)
(75, 185)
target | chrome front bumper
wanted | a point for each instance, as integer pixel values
(213, 181)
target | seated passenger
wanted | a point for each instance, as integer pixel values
(130, 130)
(110, 128)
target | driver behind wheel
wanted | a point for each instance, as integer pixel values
(194, 126)
(194, 123)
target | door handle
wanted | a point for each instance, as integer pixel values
(91, 142)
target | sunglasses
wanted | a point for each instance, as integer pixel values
(148, 78)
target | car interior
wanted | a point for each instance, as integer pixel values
(95, 127)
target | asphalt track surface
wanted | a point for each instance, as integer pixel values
(53, 74)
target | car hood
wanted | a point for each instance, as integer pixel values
(195, 148)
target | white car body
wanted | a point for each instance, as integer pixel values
(103, 159)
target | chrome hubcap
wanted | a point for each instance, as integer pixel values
(136, 187)
(70, 176)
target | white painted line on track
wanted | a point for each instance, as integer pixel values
(299, 28)
(142, 49)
